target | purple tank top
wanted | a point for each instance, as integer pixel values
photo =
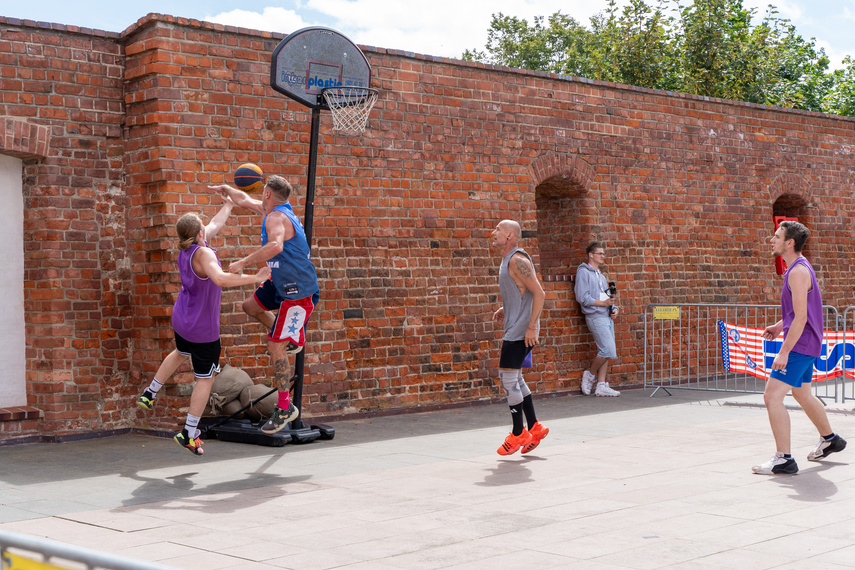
(810, 343)
(196, 314)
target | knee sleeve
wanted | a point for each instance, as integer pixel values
(524, 391)
(510, 382)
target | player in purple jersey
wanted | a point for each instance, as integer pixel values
(792, 370)
(196, 318)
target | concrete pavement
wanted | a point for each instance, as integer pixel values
(629, 482)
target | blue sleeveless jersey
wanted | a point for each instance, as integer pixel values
(292, 271)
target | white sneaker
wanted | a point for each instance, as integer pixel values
(826, 448)
(588, 380)
(603, 389)
(777, 466)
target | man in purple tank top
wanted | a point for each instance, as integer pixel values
(196, 318)
(792, 370)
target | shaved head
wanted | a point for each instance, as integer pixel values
(511, 226)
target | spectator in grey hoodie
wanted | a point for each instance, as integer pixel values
(593, 295)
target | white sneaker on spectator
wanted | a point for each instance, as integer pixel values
(588, 380)
(603, 389)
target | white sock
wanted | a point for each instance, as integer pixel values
(192, 431)
(154, 386)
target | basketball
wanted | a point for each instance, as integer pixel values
(249, 178)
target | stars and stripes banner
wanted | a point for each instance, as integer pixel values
(743, 349)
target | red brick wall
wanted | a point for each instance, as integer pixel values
(681, 189)
(61, 87)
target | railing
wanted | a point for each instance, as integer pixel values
(33, 553)
(683, 348)
(848, 384)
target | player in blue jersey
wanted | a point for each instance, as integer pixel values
(284, 302)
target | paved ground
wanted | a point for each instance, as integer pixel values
(631, 482)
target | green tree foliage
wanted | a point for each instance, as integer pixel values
(559, 46)
(840, 97)
(706, 47)
(633, 47)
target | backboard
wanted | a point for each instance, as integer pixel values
(311, 59)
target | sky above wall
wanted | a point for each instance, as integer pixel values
(435, 27)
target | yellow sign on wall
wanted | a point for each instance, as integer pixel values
(666, 313)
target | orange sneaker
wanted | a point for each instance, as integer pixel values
(538, 432)
(514, 442)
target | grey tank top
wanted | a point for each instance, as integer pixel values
(517, 308)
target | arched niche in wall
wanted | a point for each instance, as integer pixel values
(564, 212)
(791, 197)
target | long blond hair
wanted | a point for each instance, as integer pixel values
(188, 227)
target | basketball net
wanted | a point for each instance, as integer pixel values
(350, 107)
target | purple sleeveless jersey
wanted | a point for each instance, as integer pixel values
(810, 343)
(196, 314)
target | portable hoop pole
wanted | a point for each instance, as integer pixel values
(300, 359)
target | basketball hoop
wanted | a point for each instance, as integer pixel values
(350, 107)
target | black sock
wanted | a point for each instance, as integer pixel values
(828, 437)
(528, 410)
(787, 456)
(517, 418)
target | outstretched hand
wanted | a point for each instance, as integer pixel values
(223, 190)
(263, 274)
(237, 266)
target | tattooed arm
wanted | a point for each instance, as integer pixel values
(522, 272)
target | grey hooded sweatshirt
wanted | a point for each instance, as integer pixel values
(591, 286)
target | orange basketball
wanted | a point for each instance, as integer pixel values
(249, 177)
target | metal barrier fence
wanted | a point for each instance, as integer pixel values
(683, 347)
(18, 551)
(848, 384)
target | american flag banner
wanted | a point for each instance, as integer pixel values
(744, 350)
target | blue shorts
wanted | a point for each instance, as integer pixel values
(799, 370)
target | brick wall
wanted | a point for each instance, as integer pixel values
(61, 90)
(682, 190)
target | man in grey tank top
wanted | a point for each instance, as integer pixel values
(522, 303)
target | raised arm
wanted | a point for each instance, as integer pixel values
(277, 226)
(219, 220)
(239, 197)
